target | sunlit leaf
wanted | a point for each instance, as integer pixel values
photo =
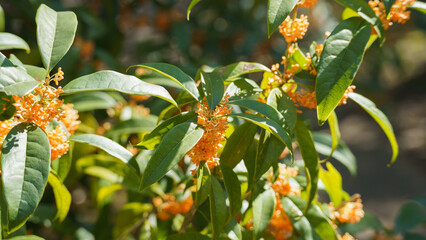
(380, 118)
(11, 41)
(278, 10)
(419, 6)
(232, 71)
(333, 183)
(263, 209)
(340, 60)
(242, 88)
(55, 34)
(62, 196)
(233, 229)
(334, 130)
(15, 81)
(191, 5)
(204, 187)
(300, 222)
(25, 162)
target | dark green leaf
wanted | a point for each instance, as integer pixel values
(233, 229)
(268, 155)
(11, 41)
(188, 235)
(388, 5)
(175, 74)
(213, 88)
(114, 81)
(191, 5)
(62, 196)
(25, 161)
(242, 88)
(263, 209)
(283, 103)
(238, 144)
(269, 125)
(128, 217)
(310, 157)
(278, 10)
(380, 118)
(369, 221)
(233, 188)
(172, 148)
(231, 72)
(218, 210)
(55, 34)
(7, 109)
(409, 216)
(204, 187)
(340, 60)
(154, 138)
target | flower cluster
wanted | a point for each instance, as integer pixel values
(398, 12)
(42, 107)
(215, 124)
(280, 224)
(293, 29)
(348, 212)
(307, 3)
(282, 185)
(167, 206)
(347, 236)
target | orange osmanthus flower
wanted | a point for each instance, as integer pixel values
(215, 124)
(280, 225)
(294, 29)
(348, 212)
(307, 3)
(167, 206)
(282, 185)
(398, 12)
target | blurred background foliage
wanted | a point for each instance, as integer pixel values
(117, 34)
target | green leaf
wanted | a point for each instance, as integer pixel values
(213, 87)
(409, 216)
(175, 74)
(27, 237)
(232, 71)
(300, 222)
(218, 210)
(342, 154)
(62, 196)
(277, 12)
(154, 138)
(25, 161)
(310, 157)
(335, 132)
(204, 187)
(15, 81)
(114, 81)
(188, 235)
(128, 217)
(55, 34)
(364, 10)
(380, 118)
(269, 125)
(419, 6)
(340, 60)
(268, 155)
(283, 103)
(233, 188)
(89, 101)
(11, 41)
(333, 183)
(174, 146)
(142, 125)
(242, 88)
(5, 62)
(238, 144)
(109, 146)
(263, 209)
(35, 72)
(191, 5)
(2, 20)
(233, 229)
(7, 109)
(388, 5)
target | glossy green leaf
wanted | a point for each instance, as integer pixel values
(62, 196)
(410, 215)
(380, 118)
(283, 103)
(188, 235)
(277, 12)
(114, 81)
(242, 88)
(238, 144)
(263, 209)
(109, 146)
(142, 125)
(300, 222)
(269, 125)
(310, 157)
(218, 209)
(366, 12)
(25, 161)
(175, 74)
(37, 73)
(340, 60)
(128, 217)
(333, 183)
(7, 109)
(268, 155)
(191, 5)
(317, 219)
(55, 34)
(388, 5)
(11, 41)
(177, 142)
(233, 189)
(419, 6)
(335, 132)
(233, 229)
(204, 187)
(15, 81)
(213, 88)
(342, 153)
(2, 20)
(348, 13)
(89, 101)
(154, 138)
(232, 71)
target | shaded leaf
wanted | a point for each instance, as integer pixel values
(340, 60)
(128, 217)
(86, 101)
(142, 125)
(191, 5)
(232, 71)
(242, 88)
(283, 103)
(263, 209)
(233, 189)
(7, 109)
(410, 215)
(218, 209)
(213, 88)
(188, 235)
